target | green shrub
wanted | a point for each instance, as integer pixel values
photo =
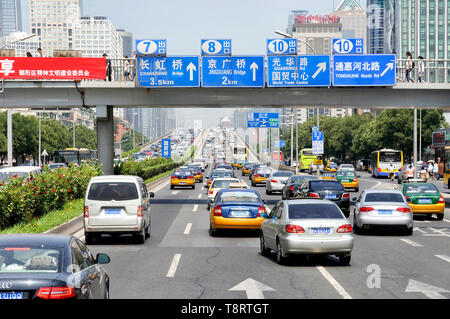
(146, 168)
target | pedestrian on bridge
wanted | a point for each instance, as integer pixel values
(421, 68)
(409, 66)
(108, 67)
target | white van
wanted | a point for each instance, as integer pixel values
(117, 205)
(19, 172)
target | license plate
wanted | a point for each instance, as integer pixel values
(385, 212)
(182, 183)
(330, 196)
(113, 211)
(424, 200)
(239, 213)
(346, 181)
(11, 295)
(320, 231)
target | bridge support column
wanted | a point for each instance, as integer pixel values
(105, 138)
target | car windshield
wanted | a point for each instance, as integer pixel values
(264, 171)
(239, 196)
(346, 173)
(30, 259)
(390, 157)
(384, 197)
(421, 189)
(224, 183)
(221, 174)
(113, 191)
(302, 211)
(182, 172)
(326, 185)
(282, 174)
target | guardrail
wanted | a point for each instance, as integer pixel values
(434, 71)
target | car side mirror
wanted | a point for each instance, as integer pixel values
(102, 259)
(409, 200)
(151, 194)
(359, 176)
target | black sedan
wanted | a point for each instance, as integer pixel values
(50, 267)
(327, 189)
(293, 185)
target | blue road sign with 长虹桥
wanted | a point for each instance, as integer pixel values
(263, 120)
(168, 71)
(216, 47)
(165, 148)
(281, 46)
(233, 71)
(298, 71)
(364, 70)
(348, 46)
(151, 47)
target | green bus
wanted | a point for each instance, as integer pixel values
(306, 158)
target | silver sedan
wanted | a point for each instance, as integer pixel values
(276, 181)
(307, 226)
(382, 209)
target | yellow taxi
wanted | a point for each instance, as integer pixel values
(260, 176)
(327, 175)
(246, 168)
(424, 198)
(236, 209)
(181, 177)
(348, 179)
(331, 167)
(218, 174)
(197, 171)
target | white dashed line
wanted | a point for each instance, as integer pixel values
(195, 208)
(173, 266)
(443, 257)
(419, 230)
(199, 196)
(334, 283)
(187, 230)
(410, 242)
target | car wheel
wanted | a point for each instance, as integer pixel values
(212, 232)
(356, 229)
(193, 186)
(440, 216)
(253, 184)
(357, 189)
(107, 292)
(346, 212)
(408, 231)
(268, 193)
(344, 260)
(141, 236)
(89, 238)
(262, 244)
(172, 187)
(281, 260)
(147, 231)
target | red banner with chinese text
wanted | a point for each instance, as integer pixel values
(12, 68)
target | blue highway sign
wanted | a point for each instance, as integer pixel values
(299, 71)
(151, 47)
(165, 148)
(236, 71)
(168, 71)
(348, 46)
(263, 120)
(364, 70)
(281, 46)
(317, 142)
(216, 47)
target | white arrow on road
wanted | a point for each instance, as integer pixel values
(253, 288)
(390, 66)
(430, 291)
(322, 68)
(191, 68)
(254, 67)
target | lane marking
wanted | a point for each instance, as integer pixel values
(443, 257)
(195, 208)
(199, 196)
(446, 220)
(419, 230)
(334, 283)
(161, 187)
(410, 242)
(173, 266)
(175, 192)
(187, 230)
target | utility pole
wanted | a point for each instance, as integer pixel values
(40, 138)
(292, 137)
(415, 143)
(318, 128)
(10, 137)
(296, 143)
(420, 135)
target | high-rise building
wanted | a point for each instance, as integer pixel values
(21, 47)
(95, 36)
(381, 26)
(10, 17)
(127, 41)
(53, 21)
(353, 18)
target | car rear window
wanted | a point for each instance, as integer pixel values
(113, 191)
(302, 211)
(224, 184)
(239, 196)
(421, 189)
(384, 197)
(301, 179)
(326, 185)
(346, 173)
(282, 174)
(30, 259)
(221, 174)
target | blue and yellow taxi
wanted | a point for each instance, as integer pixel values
(424, 198)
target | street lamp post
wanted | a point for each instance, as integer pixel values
(290, 36)
(23, 39)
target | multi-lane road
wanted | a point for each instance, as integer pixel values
(180, 260)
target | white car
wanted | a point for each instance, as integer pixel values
(19, 172)
(345, 167)
(221, 183)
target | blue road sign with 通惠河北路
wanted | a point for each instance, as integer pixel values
(165, 148)
(263, 120)
(364, 70)
(216, 47)
(298, 71)
(233, 71)
(348, 46)
(180, 71)
(151, 47)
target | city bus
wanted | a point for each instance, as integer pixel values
(239, 156)
(306, 158)
(74, 155)
(381, 160)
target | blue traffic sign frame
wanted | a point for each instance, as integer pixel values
(299, 71)
(151, 47)
(166, 148)
(281, 46)
(215, 47)
(348, 46)
(364, 70)
(171, 71)
(234, 71)
(263, 120)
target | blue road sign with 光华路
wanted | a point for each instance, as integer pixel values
(281, 46)
(364, 70)
(151, 47)
(233, 71)
(348, 46)
(298, 71)
(263, 120)
(165, 148)
(168, 71)
(216, 47)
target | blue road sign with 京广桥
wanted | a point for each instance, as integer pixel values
(364, 70)
(151, 47)
(298, 71)
(168, 71)
(348, 46)
(263, 120)
(233, 71)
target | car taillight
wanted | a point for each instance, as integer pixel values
(261, 212)
(211, 191)
(365, 209)
(273, 181)
(355, 180)
(313, 195)
(257, 175)
(140, 211)
(345, 229)
(190, 177)
(174, 177)
(218, 211)
(346, 195)
(295, 229)
(404, 210)
(379, 170)
(441, 199)
(291, 188)
(55, 293)
(86, 212)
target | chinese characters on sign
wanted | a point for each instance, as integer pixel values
(311, 19)
(263, 120)
(165, 148)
